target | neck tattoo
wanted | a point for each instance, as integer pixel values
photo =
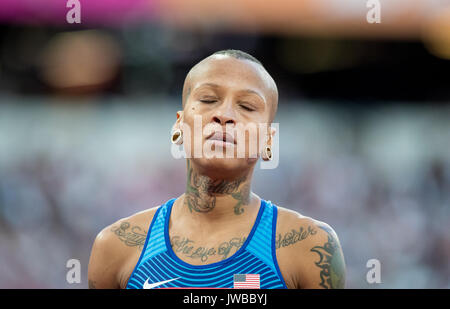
(201, 190)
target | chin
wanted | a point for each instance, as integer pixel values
(224, 167)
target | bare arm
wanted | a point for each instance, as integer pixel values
(323, 264)
(116, 250)
(105, 261)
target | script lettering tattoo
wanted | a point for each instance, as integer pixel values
(331, 262)
(92, 284)
(293, 237)
(132, 237)
(201, 190)
(186, 247)
(225, 247)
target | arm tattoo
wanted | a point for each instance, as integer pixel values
(331, 262)
(293, 237)
(201, 190)
(132, 237)
(92, 284)
(186, 247)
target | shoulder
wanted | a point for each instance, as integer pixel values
(113, 247)
(288, 219)
(294, 227)
(309, 250)
(126, 231)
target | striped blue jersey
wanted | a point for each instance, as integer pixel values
(159, 266)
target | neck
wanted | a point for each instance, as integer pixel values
(210, 198)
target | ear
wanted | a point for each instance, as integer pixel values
(178, 123)
(272, 133)
(179, 114)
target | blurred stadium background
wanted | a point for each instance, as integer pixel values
(364, 122)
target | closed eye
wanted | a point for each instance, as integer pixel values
(247, 108)
(208, 101)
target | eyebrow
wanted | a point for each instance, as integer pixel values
(212, 85)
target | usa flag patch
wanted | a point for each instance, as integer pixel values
(246, 281)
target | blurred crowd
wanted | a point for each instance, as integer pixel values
(363, 122)
(379, 177)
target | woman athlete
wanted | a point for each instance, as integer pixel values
(218, 233)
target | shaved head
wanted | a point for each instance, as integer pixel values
(249, 63)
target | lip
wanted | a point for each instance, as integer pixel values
(221, 137)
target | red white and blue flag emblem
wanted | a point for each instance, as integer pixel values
(246, 281)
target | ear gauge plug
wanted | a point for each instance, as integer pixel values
(266, 154)
(177, 137)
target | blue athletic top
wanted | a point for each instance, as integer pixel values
(159, 267)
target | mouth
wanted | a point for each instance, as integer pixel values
(222, 137)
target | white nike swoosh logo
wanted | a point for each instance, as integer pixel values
(154, 285)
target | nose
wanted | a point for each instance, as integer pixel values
(224, 114)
